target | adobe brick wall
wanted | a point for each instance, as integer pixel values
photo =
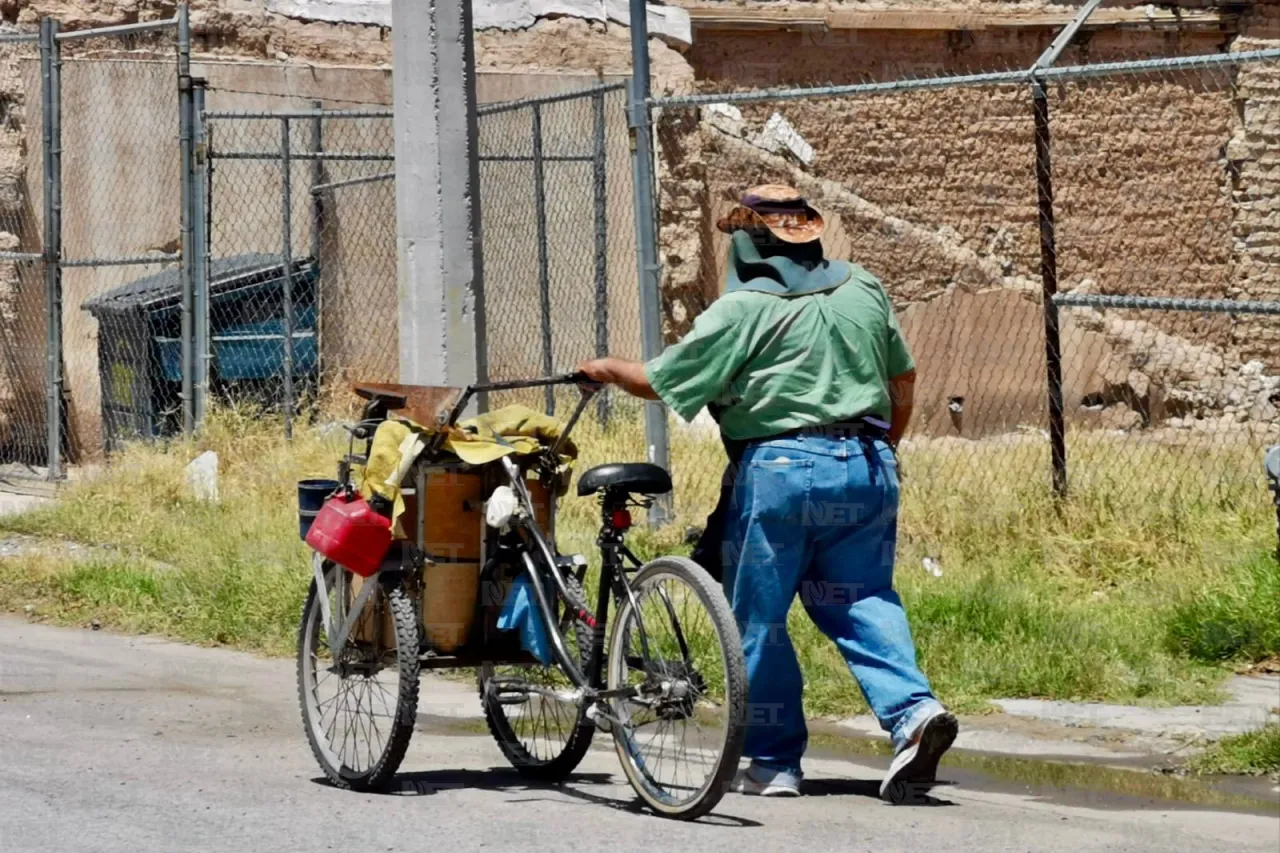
(961, 161)
(1255, 186)
(1165, 185)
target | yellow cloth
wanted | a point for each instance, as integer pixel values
(510, 430)
(384, 458)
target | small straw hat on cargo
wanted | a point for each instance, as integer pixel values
(778, 209)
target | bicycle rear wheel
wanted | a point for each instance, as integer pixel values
(678, 648)
(533, 713)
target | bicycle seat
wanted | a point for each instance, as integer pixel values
(630, 477)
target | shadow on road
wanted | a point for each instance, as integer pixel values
(428, 782)
(916, 794)
(506, 780)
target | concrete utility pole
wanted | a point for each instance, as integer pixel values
(441, 294)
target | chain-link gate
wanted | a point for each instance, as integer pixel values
(94, 281)
(559, 253)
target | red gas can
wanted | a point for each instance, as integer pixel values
(351, 534)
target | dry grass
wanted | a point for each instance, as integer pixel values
(1139, 589)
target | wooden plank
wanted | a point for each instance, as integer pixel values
(425, 403)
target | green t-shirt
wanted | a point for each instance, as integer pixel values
(778, 363)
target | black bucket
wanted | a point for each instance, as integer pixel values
(311, 496)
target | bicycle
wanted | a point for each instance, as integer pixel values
(671, 665)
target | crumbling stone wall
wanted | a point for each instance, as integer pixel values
(1255, 187)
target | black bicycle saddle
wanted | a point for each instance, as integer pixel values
(630, 477)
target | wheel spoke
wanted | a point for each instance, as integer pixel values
(539, 735)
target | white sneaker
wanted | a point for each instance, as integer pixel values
(757, 781)
(917, 761)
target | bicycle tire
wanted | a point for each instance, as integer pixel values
(711, 596)
(408, 633)
(549, 769)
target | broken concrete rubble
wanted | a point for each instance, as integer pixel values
(779, 137)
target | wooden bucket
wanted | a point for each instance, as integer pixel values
(453, 533)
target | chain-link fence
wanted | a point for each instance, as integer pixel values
(559, 253)
(973, 197)
(93, 225)
(24, 401)
(311, 192)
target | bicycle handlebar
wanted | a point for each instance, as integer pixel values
(576, 378)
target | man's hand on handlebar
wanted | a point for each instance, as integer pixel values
(592, 375)
(627, 375)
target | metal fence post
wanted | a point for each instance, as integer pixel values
(1049, 279)
(544, 271)
(640, 122)
(51, 139)
(200, 253)
(1048, 243)
(286, 260)
(317, 178)
(187, 170)
(318, 220)
(599, 175)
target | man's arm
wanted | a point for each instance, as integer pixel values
(901, 402)
(627, 375)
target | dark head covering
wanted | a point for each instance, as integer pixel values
(783, 270)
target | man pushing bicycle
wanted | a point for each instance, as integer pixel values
(803, 360)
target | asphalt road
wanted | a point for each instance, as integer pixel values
(115, 743)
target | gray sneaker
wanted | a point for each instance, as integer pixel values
(917, 760)
(760, 781)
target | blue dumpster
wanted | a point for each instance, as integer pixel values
(140, 345)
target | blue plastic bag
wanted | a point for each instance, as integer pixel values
(520, 612)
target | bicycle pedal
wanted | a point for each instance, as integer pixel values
(602, 719)
(508, 692)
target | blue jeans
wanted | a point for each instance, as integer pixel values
(818, 516)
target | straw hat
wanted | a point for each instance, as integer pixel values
(777, 209)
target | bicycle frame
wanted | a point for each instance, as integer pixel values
(537, 548)
(612, 578)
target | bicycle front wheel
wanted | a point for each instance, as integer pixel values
(359, 708)
(677, 650)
